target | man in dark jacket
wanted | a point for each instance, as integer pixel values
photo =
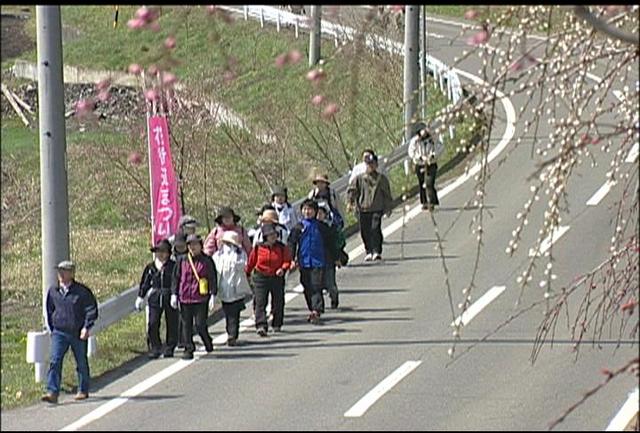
(308, 242)
(370, 194)
(156, 282)
(71, 312)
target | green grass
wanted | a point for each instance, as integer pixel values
(109, 228)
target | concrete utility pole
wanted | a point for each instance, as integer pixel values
(54, 199)
(423, 61)
(411, 42)
(314, 36)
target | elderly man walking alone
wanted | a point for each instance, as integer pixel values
(72, 310)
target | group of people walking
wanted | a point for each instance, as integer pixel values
(188, 272)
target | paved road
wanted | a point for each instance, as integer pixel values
(394, 322)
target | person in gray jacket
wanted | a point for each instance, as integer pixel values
(424, 151)
(370, 194)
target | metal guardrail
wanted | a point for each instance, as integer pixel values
(122, 305)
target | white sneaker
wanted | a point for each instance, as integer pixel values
(368, 257)
(376, 256)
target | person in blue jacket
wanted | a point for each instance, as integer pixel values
(72, 311)
(309, 242)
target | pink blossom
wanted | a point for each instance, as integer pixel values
(595, 140)
(151, 95)
(294, 56)
(170, 42)
(471, 14)
(169, 79)
(152, 70)
(103, 95)
(84, 107)
(211, 9)
(516, 66)
(315, 75)
(479, 38)
(104, 84)
(397, 9)
(317, 100)
(155, 26)
(330, 110)
(135, 158)
(135, 69)
(136, 23)
(145, 14)
(281, 60)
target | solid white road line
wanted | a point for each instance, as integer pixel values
(626, 413)
(125, 396)
(477, 306)
(600, 193)
(389, 382)
(549, 240)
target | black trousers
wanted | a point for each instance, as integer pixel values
(232, 316)
(172, 318)
(371, 231)
(312, 280)
(427, 182)
(198, 311)
(263, 286)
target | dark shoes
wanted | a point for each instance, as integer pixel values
(209, 349)
(187, 355)
(153, 355)
(277, 329)
(232, 341)
(168, 354)
(81, 396)
(261, 332)
(50, 398)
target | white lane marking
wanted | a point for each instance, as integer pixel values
(125, 396)
(389, 382)
(626, 413)
(506, 137)
(633, 154)
(600, 193)
(549, 240)
(479, 305)
(618, 94)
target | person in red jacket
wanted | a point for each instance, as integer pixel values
(268, 261)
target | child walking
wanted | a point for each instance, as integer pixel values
(309, 241)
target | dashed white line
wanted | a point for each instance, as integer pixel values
(479, 305)
(633, 154)
(389, 382)
(549, 240)
(600, 193)
(626, 413)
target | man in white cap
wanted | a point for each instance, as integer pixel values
(72, 310)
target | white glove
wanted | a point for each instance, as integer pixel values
(212, 301)
(174, 302)
(139, 303)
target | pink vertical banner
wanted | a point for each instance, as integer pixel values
(165, 207)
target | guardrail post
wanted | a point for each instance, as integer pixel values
(261, 18)
(92, 346)
(278, 22)
(38, 344)
(296, 27)
(246, 12)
